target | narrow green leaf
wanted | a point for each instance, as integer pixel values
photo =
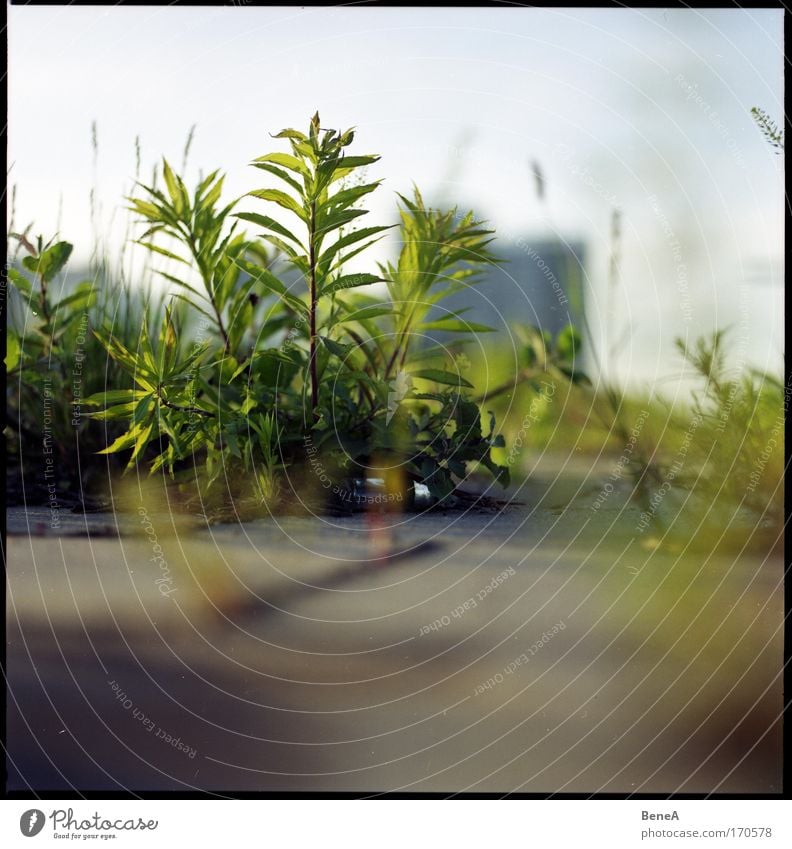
(13, 351)
(213, 195)
(427, 396)
(83, 297)
(126, 440)
(141, 442)
(181, 283)
(456, 325)
(348, 164)
(280, 174)
(119, 412)
(289, 133)
(292, 163)
(204, 185)
(351, 239)
(350, 281)
(20, 281)
(336, 348)
(195, 306)
(174, 189)
(261, 275)
(269, 224)
(333, 220)
(158, 250)
(304, 148)
(113, 396)
(439, 376)
(282, 199)
(346, 197)
(299, 261)
(272, 283)
(366, 314)
(145, 208)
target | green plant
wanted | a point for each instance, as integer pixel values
(47, 325)
(196, 401)
(769, 128)
(737, 456)
(317, 164)
(242, 373)
(349, 352)
(48, 352)
(542, 357)
(442, 254)
(218, 253)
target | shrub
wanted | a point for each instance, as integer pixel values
(258, 375)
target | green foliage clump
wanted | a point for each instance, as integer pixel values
(737, 455)
(51, 365)
(769, 128)
(274, 364)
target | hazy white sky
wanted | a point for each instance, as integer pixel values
(644, 109)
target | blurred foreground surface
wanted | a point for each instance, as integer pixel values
(547, 648)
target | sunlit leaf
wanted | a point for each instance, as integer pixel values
(282, 199)
(13, 351)
(292, 163)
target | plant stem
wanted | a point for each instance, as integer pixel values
(223, 331)
(44, 305)
(207, 281)
(400, 340)
(363, 388)
(312, 356)
(45, 311)
(391, 361)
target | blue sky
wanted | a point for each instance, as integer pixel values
(644, 109)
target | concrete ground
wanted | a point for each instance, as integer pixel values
(549, 647)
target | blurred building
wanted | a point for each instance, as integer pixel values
(540, 282)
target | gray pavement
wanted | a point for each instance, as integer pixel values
(543, 648)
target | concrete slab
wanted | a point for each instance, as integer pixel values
(543, 649)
